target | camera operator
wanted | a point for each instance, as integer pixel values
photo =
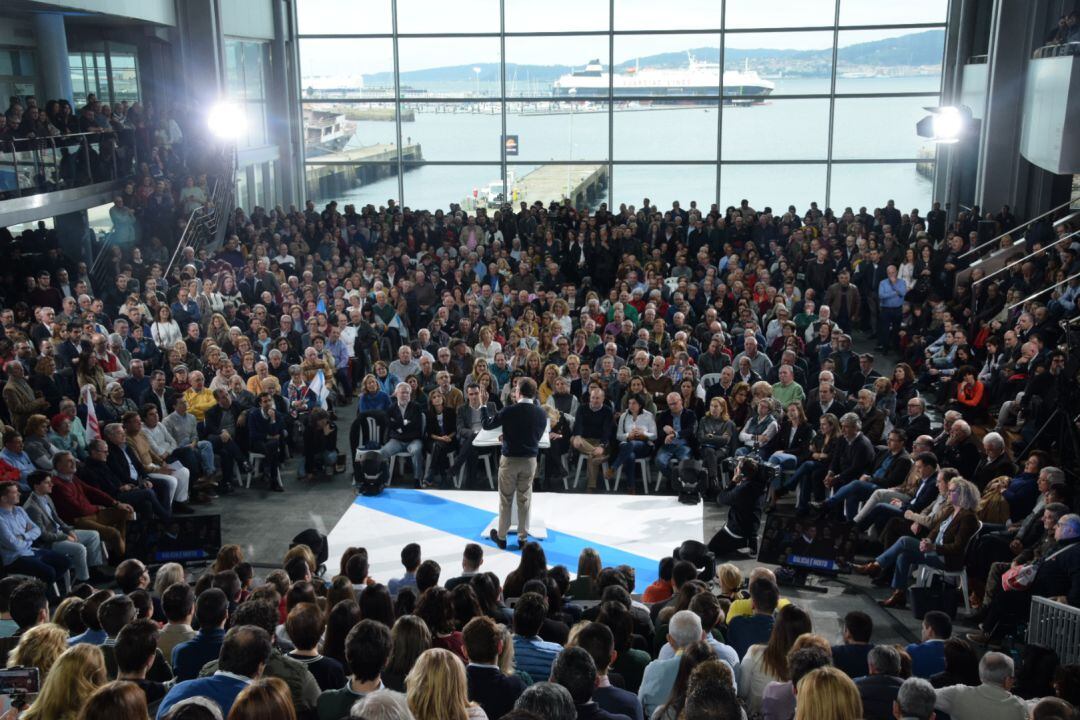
(748, 486)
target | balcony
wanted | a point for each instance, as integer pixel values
(1051, 107)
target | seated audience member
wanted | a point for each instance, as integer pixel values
(928, 656)
(767, 662)
(489, 687)
(410, 559)
(472, 557)
(747, 630)
(135, 653)
(367, 650)
(305, 625)
(684, 630)
(827, 693)
(546, 700)
(575, 671)
(178, 604)
(531, 653)
(915, 699)
(244, 654)
(93, 635)
(778, 698)
(82, 548)
(212, 612)
(990, 699)
(878, 688)
(17, 536)
(115, 614)
(851, 655)
(661, 589)
(599, 642)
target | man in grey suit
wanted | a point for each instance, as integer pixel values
(470, 419)
(82, 548)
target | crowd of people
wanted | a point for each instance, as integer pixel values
(125, 140)
(661, 343)
(469, 645)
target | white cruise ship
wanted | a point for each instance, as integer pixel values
(697, 80)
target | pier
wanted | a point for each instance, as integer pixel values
(583, 184)
(353, 167)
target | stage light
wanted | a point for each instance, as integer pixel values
(945, 124)
(226, 120)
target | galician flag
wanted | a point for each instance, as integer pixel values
(318, 386)
(93, 430)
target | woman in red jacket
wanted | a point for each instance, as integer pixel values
(970, 397)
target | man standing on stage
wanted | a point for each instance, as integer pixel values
(523, 423)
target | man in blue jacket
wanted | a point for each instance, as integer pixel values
(212, 610)
(267, 432)
(243, 656)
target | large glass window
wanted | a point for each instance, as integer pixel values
(779, 102)
(247, 63)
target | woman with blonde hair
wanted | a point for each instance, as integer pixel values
(264, 699)
(730, 578)
(117, 700)
(39, 647)
(828, 694)
(436, 688)
(76, 674)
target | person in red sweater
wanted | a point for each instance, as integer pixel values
(87, 508)
(662, 589)
(970, 397)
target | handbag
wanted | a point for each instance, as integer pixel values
(938, 595)
(1020, 577)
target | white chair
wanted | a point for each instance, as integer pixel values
(427, 465)
(485, 458)
(577, 473)
(406, 455)
(253, 457)
(373, 429)
(709, 379)
(643, 470)
(958, 577)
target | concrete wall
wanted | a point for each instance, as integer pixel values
(16, 32)
(247, 18)
(162, 12)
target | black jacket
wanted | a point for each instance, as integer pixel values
(988, 470)
(687, 431)
(852, 659)
(913, 427)
(964, 457)
(495, 692)
(852, 459)
(897, 471)
(814, 411)
(878, 693)
(119, 466)
(212, 422)
(618, 702)
(592, 711)
(799, 446)
(405, 427)
(1060, 574)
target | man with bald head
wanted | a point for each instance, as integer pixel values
(676, 428)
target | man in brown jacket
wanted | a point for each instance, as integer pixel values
(19, 396)
(843, 300)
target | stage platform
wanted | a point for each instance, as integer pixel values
(633, 530)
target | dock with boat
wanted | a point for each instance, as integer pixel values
(346, 169)
(583, 184)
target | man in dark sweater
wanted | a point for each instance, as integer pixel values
(523, 423)
(855, 456)
(594, 426)
(851, 656)
(494, 691)
(574, 670)
(597, 640)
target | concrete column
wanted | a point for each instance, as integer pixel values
(284, 116)
(54, 68)
(1001, 170)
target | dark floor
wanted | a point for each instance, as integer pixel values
(263, 523)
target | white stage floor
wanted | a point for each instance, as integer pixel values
(634, 530)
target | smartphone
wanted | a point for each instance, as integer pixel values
(20, 681)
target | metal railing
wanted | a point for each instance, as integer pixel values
(1023, 226)
(207, 221)
(1059, 50)
(29, 166)
(1055, 626)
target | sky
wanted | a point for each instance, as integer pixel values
(364, 56)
